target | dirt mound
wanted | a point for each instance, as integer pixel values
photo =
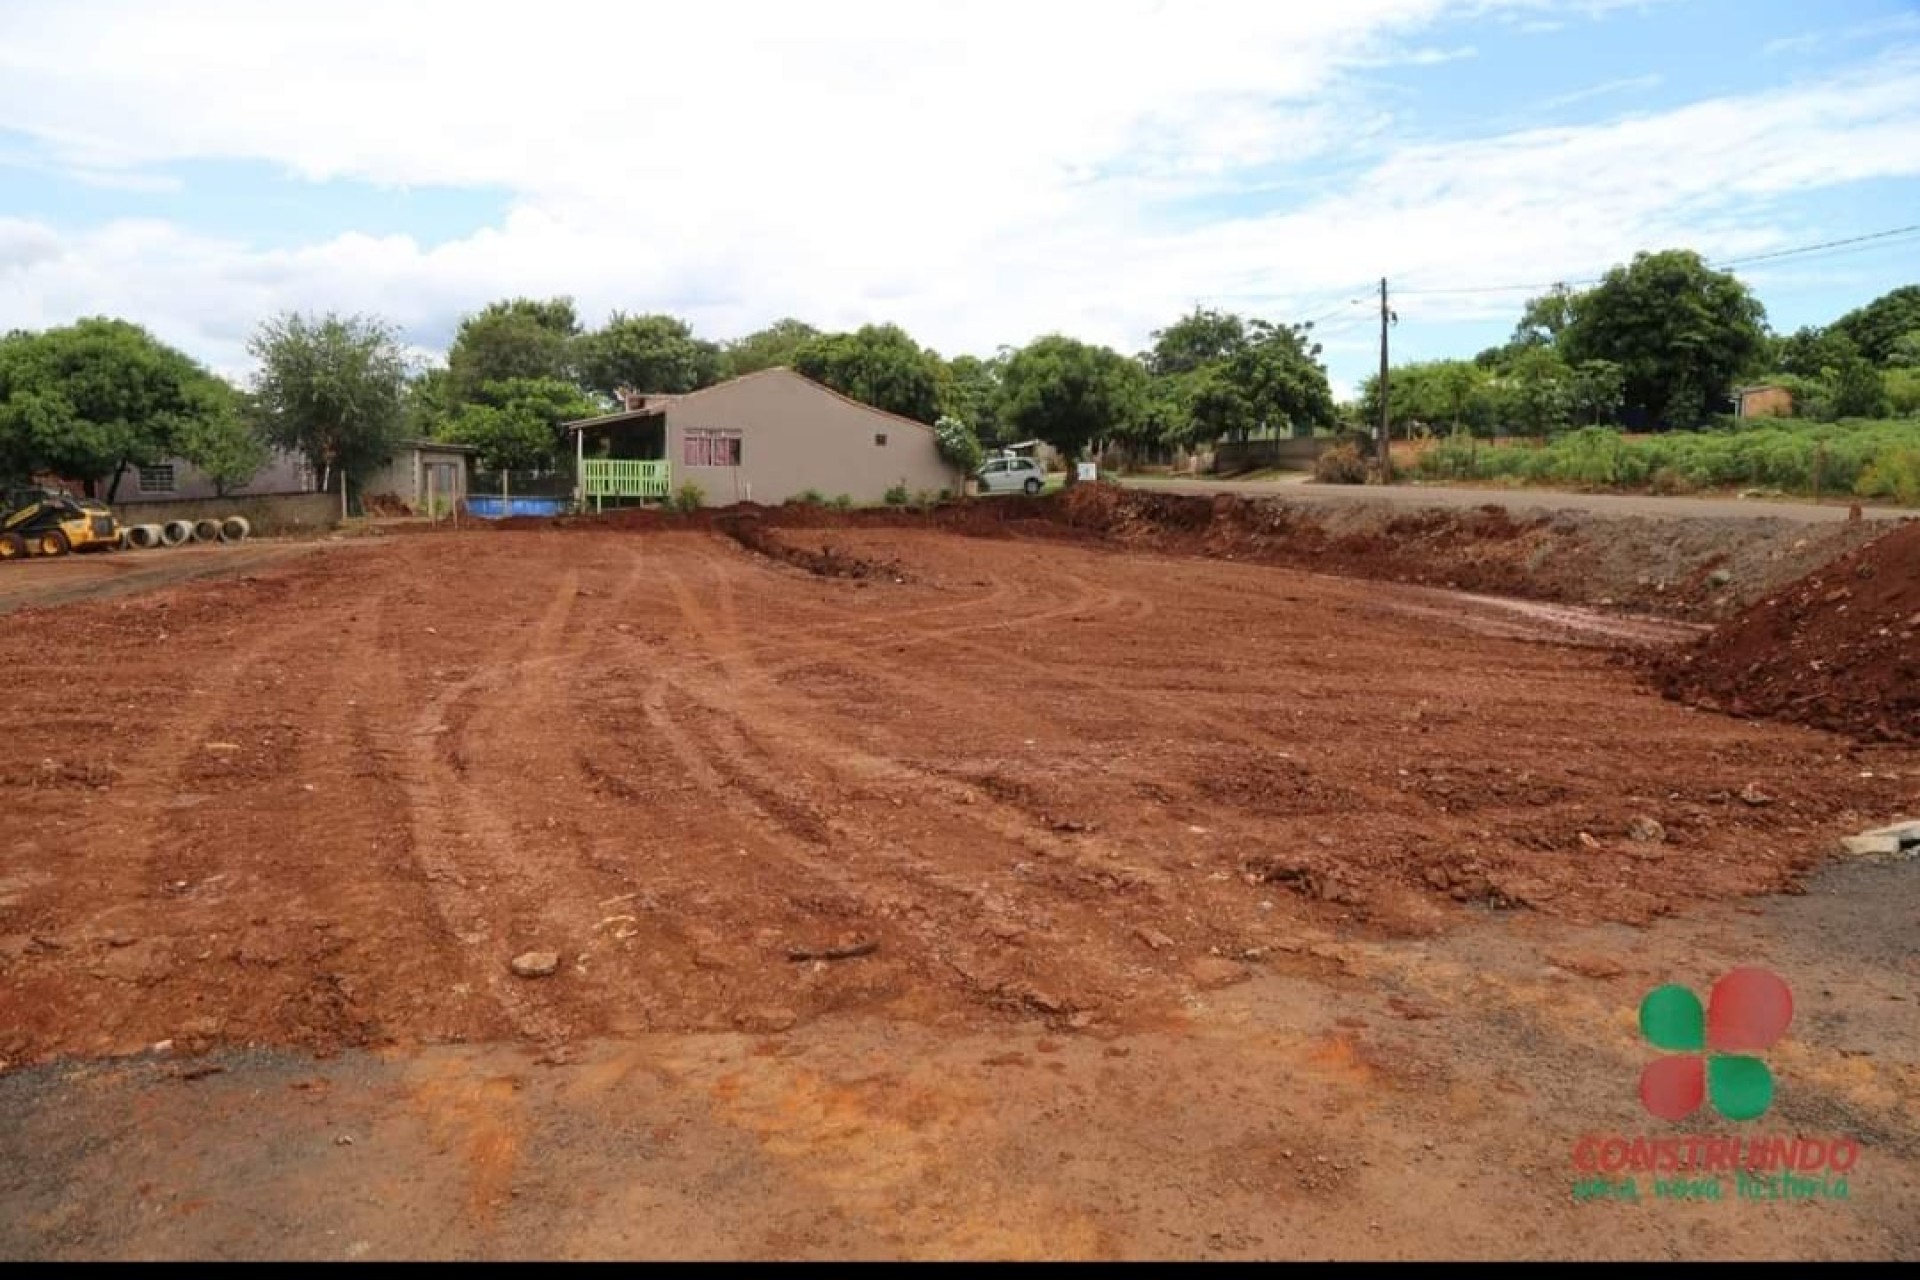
(1839, 650)
(1684, 568)
(1688, 568)
(825, 561)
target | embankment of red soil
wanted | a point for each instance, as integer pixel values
(1684, 568)
(1839, 650)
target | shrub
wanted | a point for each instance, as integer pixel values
(958, 444)
(842, 502)
(809, 498)
(898, 496)
(1895, 474)
(924, 500)
(1341, 464)
(689, 498)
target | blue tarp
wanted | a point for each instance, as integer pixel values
(492, 508)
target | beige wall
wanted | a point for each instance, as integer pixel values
(404, 477)
(798, 436)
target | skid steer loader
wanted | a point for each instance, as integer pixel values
(44, 522)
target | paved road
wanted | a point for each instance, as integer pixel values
(1522, 499)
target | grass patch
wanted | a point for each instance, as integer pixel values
(1858, 458)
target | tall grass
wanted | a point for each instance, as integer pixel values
(1869, 459)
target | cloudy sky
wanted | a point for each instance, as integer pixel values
(981, 172)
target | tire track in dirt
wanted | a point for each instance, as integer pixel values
(784, 756)
(464, 849)
(188, 843)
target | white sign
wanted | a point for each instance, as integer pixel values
(1089, 472)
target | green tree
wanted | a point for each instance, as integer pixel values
(1070, 394)
(1858, 390)
(1596, 389)
(91, 399)
(1219, 376)
(773, 347)
(1459, 387)
(516, 424)
(1810, 352)
(1905, 353)
(431, 403)
(971, 392)
(1878, 326)
(516, 338)
(878, 365)
(1538, 393)
(221, 438)
(647, 353)
(1194, 341)
(1546, 317)
(1680, 332)
(332, 389)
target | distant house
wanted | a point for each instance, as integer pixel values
(764, 438)
(176, 480)
(423, 472)
(1765, 401)
(1039, 450)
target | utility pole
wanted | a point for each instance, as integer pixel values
(1384, 442)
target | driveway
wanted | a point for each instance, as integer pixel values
(1412, 495)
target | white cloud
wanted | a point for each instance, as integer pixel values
(1628, 84)
(979, 173)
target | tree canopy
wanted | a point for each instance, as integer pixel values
(1878, 328)
(1219, 376)
(1071, 394)
(1681, 333)
(878, 365)
(90, 399)
(773, 347)
(516, 424)
(332, 389)
(513, 338)
(220, 437)
(655, 353)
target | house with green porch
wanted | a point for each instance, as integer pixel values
(764, 438)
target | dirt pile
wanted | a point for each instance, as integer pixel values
(1838, 650)
(824, 561)
(1684, 568)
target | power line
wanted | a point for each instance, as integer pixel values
(1814, 248)
(1846, 245)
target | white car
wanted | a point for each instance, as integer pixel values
(1012, 475)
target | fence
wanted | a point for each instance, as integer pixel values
(618, 478)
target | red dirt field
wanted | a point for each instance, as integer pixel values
(1024, 801)
(1838, 650)
(332, 804)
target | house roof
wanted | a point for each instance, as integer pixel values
(635, 415)
(439, 446)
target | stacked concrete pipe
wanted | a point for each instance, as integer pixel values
(206, 531)
(143, 537)
(175, 533)
(235, 529)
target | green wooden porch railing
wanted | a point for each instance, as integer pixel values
(617, 478)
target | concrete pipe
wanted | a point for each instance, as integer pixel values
(206, 531)
(143, 537)
(176, 533)
(235, 529)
